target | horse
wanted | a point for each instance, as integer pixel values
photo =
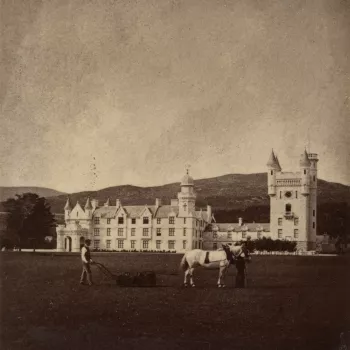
(221, 258)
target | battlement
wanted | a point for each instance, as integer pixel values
(288, 182)
(312, 156)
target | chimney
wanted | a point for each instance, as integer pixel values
(240, 221)
(94, 203)
(158, 202)
(209, 214)
(117, 204)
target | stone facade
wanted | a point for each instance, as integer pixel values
(293, 201)
(175, 227)
(180, 226)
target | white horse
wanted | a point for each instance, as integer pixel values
(220, 258)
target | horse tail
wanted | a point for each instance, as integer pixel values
(184, 264)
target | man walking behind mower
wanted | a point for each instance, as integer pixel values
(86, 261)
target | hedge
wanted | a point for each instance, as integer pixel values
(270, 245)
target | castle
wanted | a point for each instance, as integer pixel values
(293, 205)
(180, 226)
(175, 227)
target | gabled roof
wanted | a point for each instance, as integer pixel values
(273, 161)
(164, 211)
(105, 212)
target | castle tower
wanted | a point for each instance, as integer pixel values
(187, 197)
(293, 199)
(313, 199)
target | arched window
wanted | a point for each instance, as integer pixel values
(288, 208)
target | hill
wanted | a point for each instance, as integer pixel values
(231, 196)
(10, 192)
(232, 191)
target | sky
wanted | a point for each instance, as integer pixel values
(103, 93)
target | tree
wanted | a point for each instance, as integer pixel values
(29, 219)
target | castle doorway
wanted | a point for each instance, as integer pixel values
(68, 244)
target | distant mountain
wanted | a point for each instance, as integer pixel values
(233, 191)
(231, 196)
(10, 192)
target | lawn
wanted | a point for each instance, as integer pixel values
(290, 303)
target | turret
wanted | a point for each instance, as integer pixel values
(305, 165)
(187, 197)
(67, 209)
(88, 208)
(313, 158)
(273, 166)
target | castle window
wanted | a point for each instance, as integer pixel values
(159, 231)
(108, 221)
(280, 233)
(145, 244)
(313, 212)
(184, 220)
(314, 178)
(296, 194)
(145, 232)
(120, 244)
(313, 225)
(280, 194)
(296, 233)
(184, 244)
(171, 220)
(120, 232)
(215, 246)
(108, 231)
(229, 235)
(184, 231)
(77, 214)
(121, 221)
(288, 208)
(96, 221)
(133, 231)
(145, 220)
(171, 244)
(304, 171)
(296, 221)
(108, 244)
(132, 244)
(171, 232)
(279, 221)
(96, 244)
(159, 221)
(96, 231)
(133, 221)
(271, 172)
(158, 244)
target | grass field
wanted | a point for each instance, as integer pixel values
(290, 303)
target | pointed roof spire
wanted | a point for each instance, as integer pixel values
(272, 162)
(68, 204)
(304, 160)
(278, 164)
(88, 205)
